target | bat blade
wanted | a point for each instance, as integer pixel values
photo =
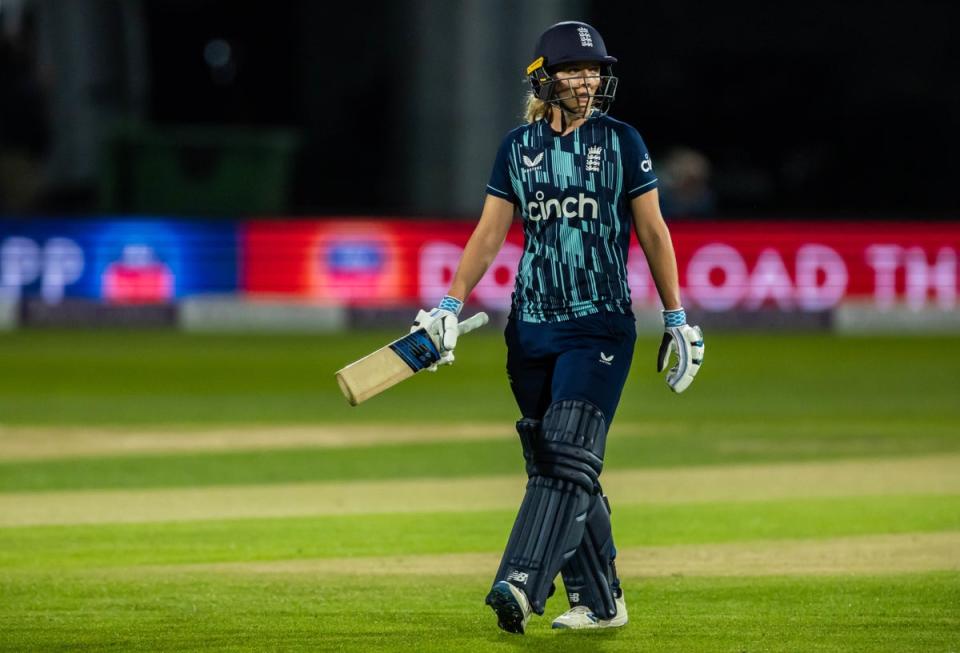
(394, 363)
(387, 366)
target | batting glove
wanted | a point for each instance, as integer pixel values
(687, 343)
(440, 324)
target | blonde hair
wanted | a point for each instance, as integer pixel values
(535, 109)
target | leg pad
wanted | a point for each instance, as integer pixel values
(572, 444)
(529, 432)
(590, 576)
(567, 457)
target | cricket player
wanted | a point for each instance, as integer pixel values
(580, 181)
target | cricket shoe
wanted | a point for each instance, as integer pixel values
(511, 605)
(580, 616)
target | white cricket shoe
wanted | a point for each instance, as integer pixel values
(511, 605)
(581, 616)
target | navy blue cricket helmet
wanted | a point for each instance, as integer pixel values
(571, 42)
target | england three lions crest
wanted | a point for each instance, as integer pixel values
(594, 153)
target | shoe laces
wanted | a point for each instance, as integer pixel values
(579, 609)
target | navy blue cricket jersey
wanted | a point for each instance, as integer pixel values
(573, 193)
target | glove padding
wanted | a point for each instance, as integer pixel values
(441, 325)
(687, 343)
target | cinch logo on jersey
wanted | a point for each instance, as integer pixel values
(646, 165)
(554, 208)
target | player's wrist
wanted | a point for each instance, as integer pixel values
(674, 317)
(450, 303)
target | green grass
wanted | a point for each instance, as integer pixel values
(156, 378)
(455, 459)
(199, 612)
(37, 547)
(759, 399)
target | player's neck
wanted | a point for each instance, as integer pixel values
(563, 122)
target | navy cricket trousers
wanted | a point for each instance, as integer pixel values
(586, 358)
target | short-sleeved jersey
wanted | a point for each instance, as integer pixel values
(573, 193)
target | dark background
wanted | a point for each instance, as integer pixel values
(821, 109)
(813, 107)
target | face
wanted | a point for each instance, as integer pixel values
(576, 85)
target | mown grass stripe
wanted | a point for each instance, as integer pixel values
(57, 547)
(151, 378)
(923, 475)
(44, 443)
(449, 460)
(26, 443)
(870, 555)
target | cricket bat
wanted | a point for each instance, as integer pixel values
(395, 362)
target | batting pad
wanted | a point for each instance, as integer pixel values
(529, 432)
(572, 443)
(590, 576)
(568, 458)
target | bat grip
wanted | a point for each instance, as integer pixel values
(473, 322)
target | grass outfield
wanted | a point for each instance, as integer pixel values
(837, 386)
(168, 492)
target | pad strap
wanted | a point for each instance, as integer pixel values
(529, 432)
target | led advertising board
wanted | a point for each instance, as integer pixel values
(118, 261)
(802, 266)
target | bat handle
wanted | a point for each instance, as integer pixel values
(473, 322)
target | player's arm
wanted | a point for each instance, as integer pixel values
(657, 246)
(679, 337)
(484, 245)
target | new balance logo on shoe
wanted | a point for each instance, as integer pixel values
(581, 616)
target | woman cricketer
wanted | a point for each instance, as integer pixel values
(580, 180)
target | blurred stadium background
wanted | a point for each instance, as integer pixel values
(157, 153)
(208, 206)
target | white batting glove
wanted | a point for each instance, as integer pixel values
(687, 343)
(440, 324)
